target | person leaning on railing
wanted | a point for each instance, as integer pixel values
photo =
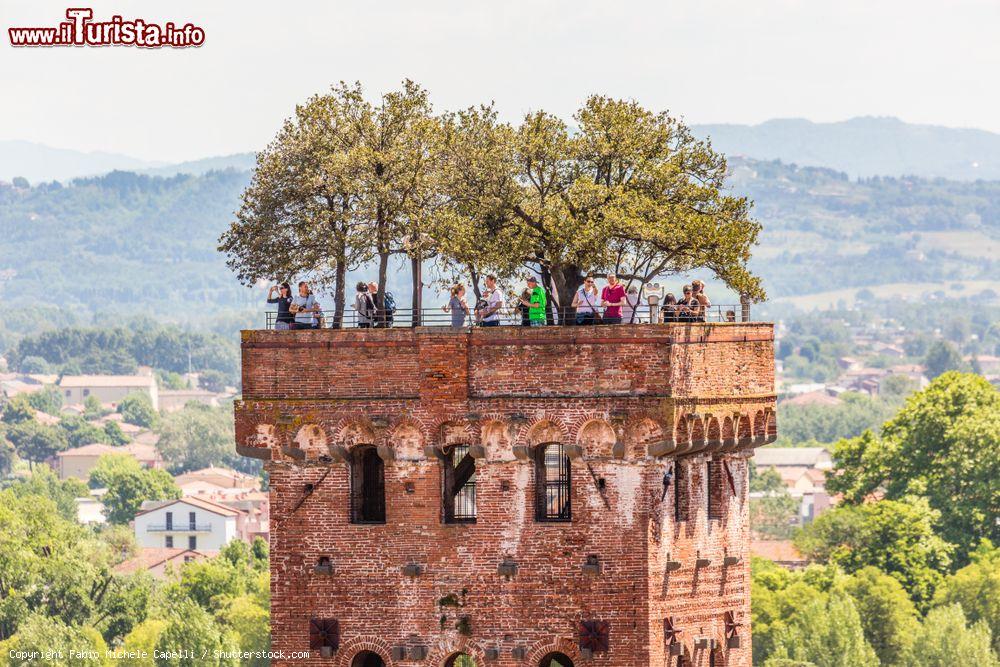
(489, 314)
(586, 302)
(304, 307)
(457, 306)
(613, 296)
(364, 305)
(535, 303)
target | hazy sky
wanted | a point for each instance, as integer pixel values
(708, 60)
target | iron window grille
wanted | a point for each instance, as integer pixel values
(552, 483)
(459, 485)
(367, 486)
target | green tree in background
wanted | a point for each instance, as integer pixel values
(36, 442)
(45, 483)
(827, 633)
(18, 409)
(942, 357)
(775, 514)
(191, 629)
(943, 444)
(888, 617)
(976, 587)
(199, 436)
(43, 633)
(48, 399)
(129, 488)
(80, 432)
(945, 640)
(113, 434)
(897, 537)
(137, 409)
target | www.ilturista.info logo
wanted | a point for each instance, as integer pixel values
(81, 30)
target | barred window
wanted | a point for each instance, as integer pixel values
(367, 486)
(682, 492)
(459, 485)
(552, 483)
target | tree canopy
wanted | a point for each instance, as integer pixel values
(628, 190)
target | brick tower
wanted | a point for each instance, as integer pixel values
(509, 496)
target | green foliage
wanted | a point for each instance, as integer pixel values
(191, 638)
(137, 408)
(199, 436)
(80, 432)
(7, 453)
(896, 537)
(827, 633)
(127, 489)
(18, 409)
(43, 482)
(775, 514)
(942, 357)
(976, 587)
(113, 434)
(36, 442)
(92, 408)
(48, 399)
(888, 617)
(779, 597)
(829, 423)
(212, 380)
(945, 640)
(120, 350)
(109, 466)
(944, 444)
(143, 640)
(41, 633)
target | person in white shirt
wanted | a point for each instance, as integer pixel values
(586, 301)
(629, 314)
(490, 315)
(305, 308)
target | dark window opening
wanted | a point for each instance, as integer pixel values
(168, 541)
(191, 521)
(556, 660)
(170, 520)
(192, 542)
(367, 486)
(552, 483)
(716, 489)
(682, 497)
(367, 659)
(459, 485)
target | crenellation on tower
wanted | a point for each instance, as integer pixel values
(501, 492)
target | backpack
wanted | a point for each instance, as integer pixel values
(389, 302)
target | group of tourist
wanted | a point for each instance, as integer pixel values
(613, 304)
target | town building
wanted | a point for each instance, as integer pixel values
(107, 388)
(172, 400)
(803, 472)
(79, 461)
(158, 561)
(189, 523)
(514, 495)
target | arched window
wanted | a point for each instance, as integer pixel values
(459, 485)
(367, 486)
(556, 660)
(460, 660)
(552, 483)
(367, 659)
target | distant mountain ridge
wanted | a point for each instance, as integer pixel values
(40, 163)
(865, 146)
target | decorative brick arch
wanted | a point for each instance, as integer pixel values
(597, 437)
(349, 649)
(351, 432)
(772, 426)
(494, 435)
(312, 439)
(759, 427)
(744, 431)
(562, 645)
(544, 430)
(454, 433)
(682, 433)
(728, 434)
(697, 433)
(407, 439)
(713, 435)
(449, 646)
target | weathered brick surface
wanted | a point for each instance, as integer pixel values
(621, 392)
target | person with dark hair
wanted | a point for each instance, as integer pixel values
(457, 306)
(586, 302)
(364, 305)
(489, 314)
(535, 303)
(669, 309)
(304, 307)
(687, 306)
(284, 299)
(699, 296)
(613, 297)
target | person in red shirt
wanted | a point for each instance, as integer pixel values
(613, 298)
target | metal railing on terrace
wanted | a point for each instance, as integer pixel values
(179, 528)
(507, 317)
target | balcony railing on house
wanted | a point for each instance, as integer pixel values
(179, 528)
(508, 317)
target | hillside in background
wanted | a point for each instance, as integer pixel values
(116, 246)
(865, 147)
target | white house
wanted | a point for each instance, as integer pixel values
(187, 523)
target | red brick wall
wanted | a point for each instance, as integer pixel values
(316, 394)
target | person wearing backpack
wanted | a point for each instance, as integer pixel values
(535, 303)
(364, 305)
(389, 305)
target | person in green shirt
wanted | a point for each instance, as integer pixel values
(535, 303)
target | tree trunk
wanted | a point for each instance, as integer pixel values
(547, 286)
(339, 288)
(383, 274)
(416, 270)
(474, 275)
(567, 280)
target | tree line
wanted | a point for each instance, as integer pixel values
(347, 181)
